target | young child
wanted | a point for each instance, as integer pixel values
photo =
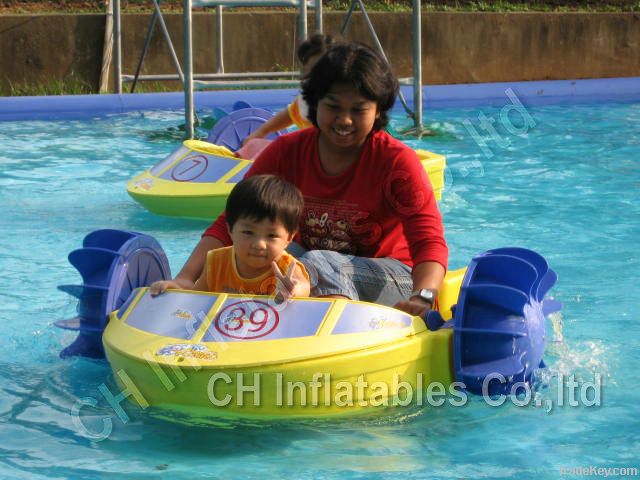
(263, 213)
(297, 111)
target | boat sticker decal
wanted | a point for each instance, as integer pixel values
(358, 318)
(247, 319)
(144, 184)
(190, 168)
(198, 167)
(187, 350)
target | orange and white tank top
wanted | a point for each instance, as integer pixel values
(299, 113)
(223, 276)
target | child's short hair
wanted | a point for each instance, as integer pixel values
(356, 64)
(315, 44)
(265, 196)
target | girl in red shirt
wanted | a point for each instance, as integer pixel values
(370, 229)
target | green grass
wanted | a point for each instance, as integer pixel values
(75, 86)
(138, 6)
(506, 6)
(68, 86)
(488, 6)
(456, 5)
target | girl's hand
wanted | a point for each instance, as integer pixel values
(161, 286)
(290, 285)
(414, 306)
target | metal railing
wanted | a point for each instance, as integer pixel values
(222, 79)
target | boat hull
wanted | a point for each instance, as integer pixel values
(213, 354)
(394, 374)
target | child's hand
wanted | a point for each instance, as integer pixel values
(161, 286)
(290, 284)
(251, 136)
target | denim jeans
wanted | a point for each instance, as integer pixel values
(379, 280)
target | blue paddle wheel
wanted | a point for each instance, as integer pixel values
(500, 320)
(232, 128)
(112, 264)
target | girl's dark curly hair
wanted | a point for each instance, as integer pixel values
(358, 65)
(315, 44)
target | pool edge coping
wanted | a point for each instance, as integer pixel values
(625, 89)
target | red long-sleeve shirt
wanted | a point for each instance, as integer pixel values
(381, 206)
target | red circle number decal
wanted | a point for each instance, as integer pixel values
(247, 319)
(190, 168)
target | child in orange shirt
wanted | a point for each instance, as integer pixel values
(309, 52)
(263, 213)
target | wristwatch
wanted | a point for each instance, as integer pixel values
(429, 295)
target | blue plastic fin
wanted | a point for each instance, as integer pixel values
(549, 306)
(87, 344)
(240, 104)
(82, 291)
(505, 270)
(507, 332)
(68, 323)
(93, 264)
(508, 367)
(548, 281)
(536, 260)
(78, 324)
(107, 238)
(507, 298)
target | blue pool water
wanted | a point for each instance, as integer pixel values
(569, 188)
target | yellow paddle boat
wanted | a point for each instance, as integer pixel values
(217, 354)
(195, 180)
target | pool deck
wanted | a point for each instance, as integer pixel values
(623, 90)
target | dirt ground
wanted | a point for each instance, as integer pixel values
(97, 6)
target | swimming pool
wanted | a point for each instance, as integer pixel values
(569, 188)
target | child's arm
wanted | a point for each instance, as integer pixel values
(201, 284)
(162, 286)
(279, 121)
(195, 265)
(292, 284)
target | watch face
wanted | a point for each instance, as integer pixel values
(426, 294)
